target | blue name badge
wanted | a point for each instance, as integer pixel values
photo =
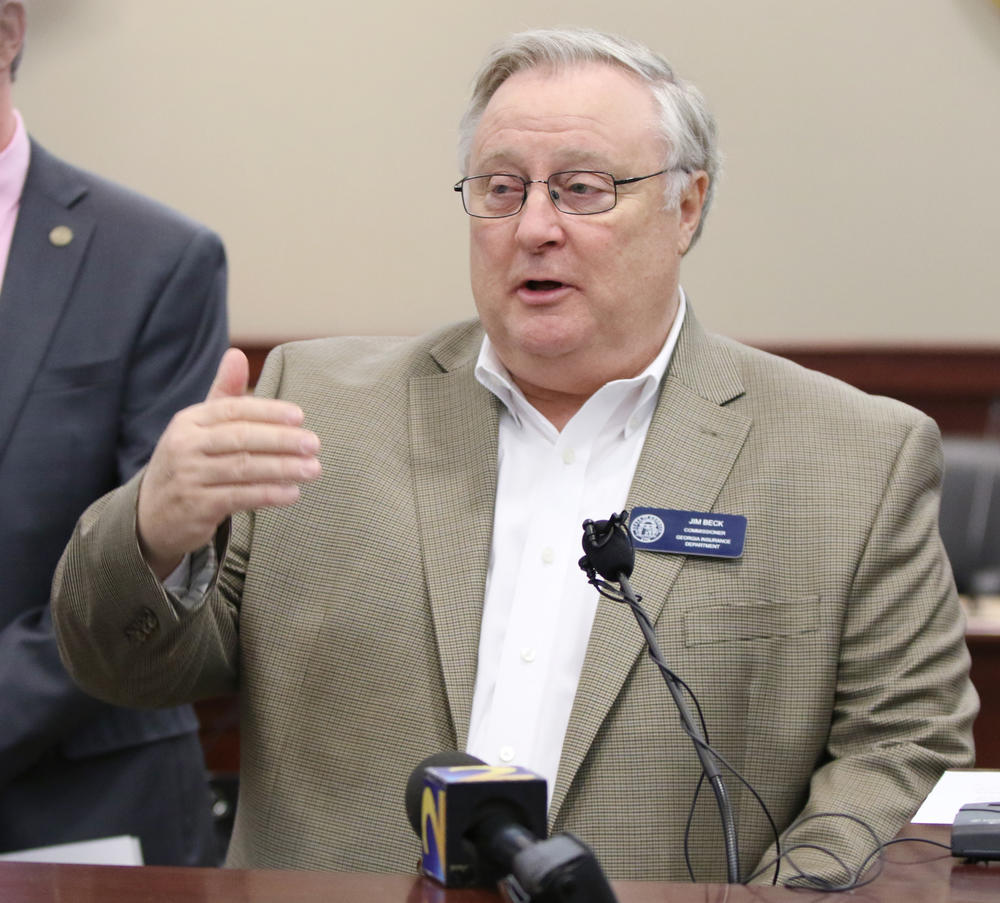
(688, 532)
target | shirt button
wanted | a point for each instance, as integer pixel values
(568, 456)
(506, 753)
(548, 556)
(527, 654)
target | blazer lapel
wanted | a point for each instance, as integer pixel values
(691, 447)
(41, 271)
(453, 439)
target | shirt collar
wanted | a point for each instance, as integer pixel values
(14, 159)
(494, 376)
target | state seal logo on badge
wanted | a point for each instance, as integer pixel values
(646, 528)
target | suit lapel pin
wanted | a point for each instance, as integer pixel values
(61, 236)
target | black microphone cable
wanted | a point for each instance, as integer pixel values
(608, 551)
(853, 877)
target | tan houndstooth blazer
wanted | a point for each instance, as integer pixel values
(829, 660)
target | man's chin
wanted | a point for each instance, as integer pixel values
(549, 344)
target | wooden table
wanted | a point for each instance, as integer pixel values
(913, 872)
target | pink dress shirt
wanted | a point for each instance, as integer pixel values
(14, 159)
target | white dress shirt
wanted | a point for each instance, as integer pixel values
(539, 608)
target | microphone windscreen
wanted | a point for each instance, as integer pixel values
(607, 546)
(471, 817)
(415, 783)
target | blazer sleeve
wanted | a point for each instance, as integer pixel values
(171, 366)
(904, 705)
(120, 635)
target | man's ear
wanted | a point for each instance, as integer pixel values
(12, 27)
(691, 205)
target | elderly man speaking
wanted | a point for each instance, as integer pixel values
(401, 577)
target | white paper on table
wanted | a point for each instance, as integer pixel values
(123, 850)
(954, 790)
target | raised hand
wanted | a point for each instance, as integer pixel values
(232, 452)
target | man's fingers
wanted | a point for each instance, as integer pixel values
(222, 409)
(233, 376)
(227, 438)
(232, 452)
(243, 468)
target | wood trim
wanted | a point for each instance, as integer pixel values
(256, 353)
(219, 719)
(984, 648)
(959, 386)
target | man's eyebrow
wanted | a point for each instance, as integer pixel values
(499, 161)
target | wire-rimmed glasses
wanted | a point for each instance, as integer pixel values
(580, 192)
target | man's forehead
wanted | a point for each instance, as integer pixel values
(589, 110)
(570, 87)
(510, 153)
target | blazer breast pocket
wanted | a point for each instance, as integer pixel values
(778, 619)
(69, 377)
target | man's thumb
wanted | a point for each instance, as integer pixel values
(232, 377)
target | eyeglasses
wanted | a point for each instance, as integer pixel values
(576, 191)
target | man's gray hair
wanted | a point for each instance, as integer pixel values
(686, 123)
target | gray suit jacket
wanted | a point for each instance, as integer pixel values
(107, 327)
(829, 660)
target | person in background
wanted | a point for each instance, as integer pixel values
(401, 577)
(112, 318)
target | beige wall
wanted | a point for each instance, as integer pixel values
(860, 202)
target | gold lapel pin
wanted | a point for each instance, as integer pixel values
(61, 236)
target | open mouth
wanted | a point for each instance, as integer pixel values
(543, 285)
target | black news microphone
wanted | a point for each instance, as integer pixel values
(473, 818)
(495, 819)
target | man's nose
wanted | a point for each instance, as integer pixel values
(539, 221)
